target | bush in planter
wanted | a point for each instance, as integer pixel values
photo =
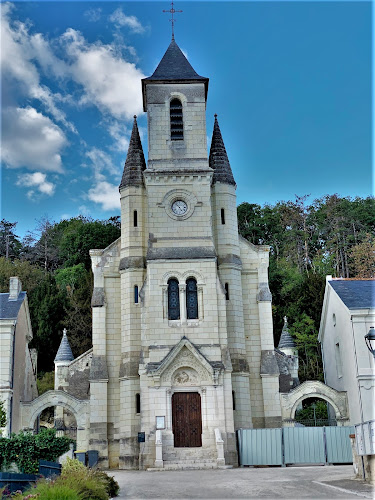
(26, 449)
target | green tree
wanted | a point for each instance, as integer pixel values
(47, 312)
(10, 246)
(29, 275)
(306, 337)
(78, 283)
(363, 255)
(80, 235)
(3, 415)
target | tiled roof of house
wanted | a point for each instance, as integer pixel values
(356, 294)
(9, 308)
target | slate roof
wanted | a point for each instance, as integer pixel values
(135, 162)
(173, 67)
(64, 353)
(218, 159)
(286, 340)
(356, 294)
(9, 308)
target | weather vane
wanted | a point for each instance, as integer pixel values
(172, 11)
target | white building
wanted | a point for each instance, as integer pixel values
(182, 321)
(17, 361)
(347, 315)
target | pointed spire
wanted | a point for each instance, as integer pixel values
(64, 353)
(286, 340)
(218, 160)
(135, 160)
(175, 66)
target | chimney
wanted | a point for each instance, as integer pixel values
(15, 287)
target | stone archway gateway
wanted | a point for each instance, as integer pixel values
(314, 389)
(79, 408)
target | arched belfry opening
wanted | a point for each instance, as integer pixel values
(176, 118)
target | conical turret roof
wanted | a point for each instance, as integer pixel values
(135, 162)
(286, 340)
(175, 66)
(218, 159)
(64, 353)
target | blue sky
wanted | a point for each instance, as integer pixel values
(290, 82)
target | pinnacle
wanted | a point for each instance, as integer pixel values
(218, 159)
(135, 161)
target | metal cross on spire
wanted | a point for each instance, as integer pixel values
(172, 11)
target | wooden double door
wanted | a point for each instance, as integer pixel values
(187, 419)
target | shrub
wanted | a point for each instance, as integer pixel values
(111, 485)
(26, 449)
(49, 490)
(91, 485)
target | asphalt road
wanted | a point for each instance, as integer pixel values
(270, 482)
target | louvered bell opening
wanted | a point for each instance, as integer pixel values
(177, 127)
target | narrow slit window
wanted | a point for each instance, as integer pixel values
(234, 400)
(222, 216)
(226, 286)
(135, 218)
(177, 124)
(137, 403)
(173, 299)
(136, 295)
(191, 299)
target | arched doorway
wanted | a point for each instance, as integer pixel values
(293, 400)
(315, 412)
(79, 409)
(59, 418)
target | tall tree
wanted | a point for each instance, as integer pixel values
(10, 246)
(363, 255)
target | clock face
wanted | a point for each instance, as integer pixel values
(179, 207)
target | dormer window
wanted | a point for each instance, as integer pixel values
(177, 126)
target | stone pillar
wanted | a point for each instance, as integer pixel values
(269, 370)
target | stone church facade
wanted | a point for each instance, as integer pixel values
(183, 351)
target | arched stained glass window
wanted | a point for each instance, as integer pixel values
(191, 299)
(177, 124)
(173, 299)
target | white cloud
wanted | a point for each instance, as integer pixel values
(120, 134)
(101, 161)
(37, 180)
(106, 195)
(93, 15)
(18, 51)
(32, 140)
(120, 20)
(108, 81)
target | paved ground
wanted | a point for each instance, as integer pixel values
(271, 482)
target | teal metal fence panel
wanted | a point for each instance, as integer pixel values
(304, 445)
(339, 450)
(260, 446)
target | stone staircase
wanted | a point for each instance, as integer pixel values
(188, 458)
